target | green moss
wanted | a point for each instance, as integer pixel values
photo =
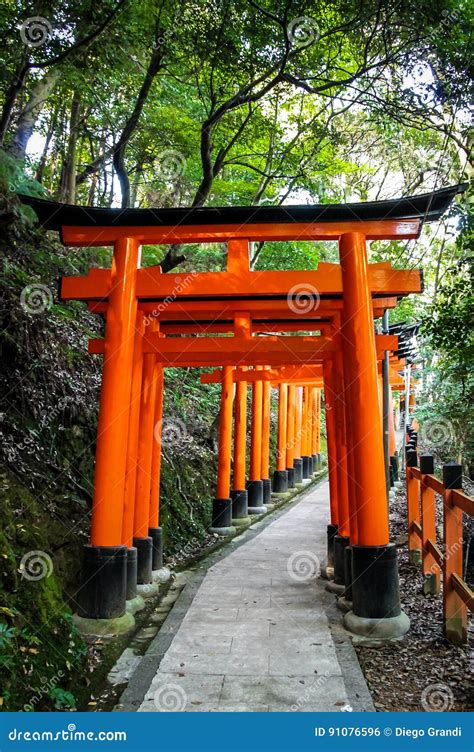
(40, 650)
(186, 501)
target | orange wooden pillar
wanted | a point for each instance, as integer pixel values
(290, 436)
(280, 476)
(311, 412)
(141, 523)
(103, 593)
(132, 455)
(431, 569)
(343, 370)
(333, 526)
(298, 462)
(394, 469)
(316, 435)
(413, 507)
(375, 592)
(265, 473)
(222, 506)
(239, 492)
(342, 538)
(154, 529)
(255, 484)
(305, 435)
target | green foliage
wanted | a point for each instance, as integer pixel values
(448, 330)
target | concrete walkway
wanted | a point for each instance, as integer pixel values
(261, 633)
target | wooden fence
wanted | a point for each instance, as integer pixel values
(440, 563)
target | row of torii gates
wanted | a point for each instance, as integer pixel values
(319, 335)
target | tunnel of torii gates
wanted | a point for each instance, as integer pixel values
(304, 332)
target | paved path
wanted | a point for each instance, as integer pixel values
(261, 633)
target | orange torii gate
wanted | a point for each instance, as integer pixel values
(350, 365)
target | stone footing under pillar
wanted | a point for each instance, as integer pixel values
(331, 532)
(240, 507)
(291, 477)
(306, 472)
(104, 628)
(340, 542)
(131, 573)
(280, 481)
(144, 548)
(156, 535)
(104, 576)
(134, 605)
(267, 491)
(221, 514)
(161, 575)
(298, 468)
(376, 610)
(255, 497)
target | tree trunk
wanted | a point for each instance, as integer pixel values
(42, 163)
(11, 94)
(26, 122)
(67, 191)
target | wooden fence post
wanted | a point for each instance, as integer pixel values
(431, 570)
(413, 508)
(454, 608)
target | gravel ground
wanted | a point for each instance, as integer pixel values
(422, 672)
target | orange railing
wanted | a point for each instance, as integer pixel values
(439, 562)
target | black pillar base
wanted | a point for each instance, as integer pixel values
(311, 465)
(298, 465)
(305, 467)
(315, 463)
(221, 513)
(348, 572)
(255, 493)
(104, 576)
(144, 548)
(331, 534)
(375, 591)
(267, 491)
(280, 481)
(131, 573)
(340, 543)
(291, 477)
(156, 536)
(394, 467)
(239, 504)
